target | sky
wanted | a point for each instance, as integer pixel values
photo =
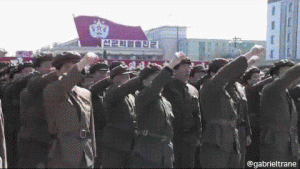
(32, 24)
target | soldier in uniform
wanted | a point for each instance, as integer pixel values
(99, 72)
(278, 116)
(197, 73)
(33, 137)
(238, 95)
(187, 126)
(119, 104)
(253, 87)
(220, 144)
(68, 110)
(154, 147)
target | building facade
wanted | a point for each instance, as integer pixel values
(283, 30)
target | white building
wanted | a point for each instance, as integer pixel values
(283, 30)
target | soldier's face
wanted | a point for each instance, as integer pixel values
(121, 79)
(67, 67)
(282, 70)
(183, 72)
(99, 75)
(256, 77)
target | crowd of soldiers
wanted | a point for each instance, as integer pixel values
(59, 114)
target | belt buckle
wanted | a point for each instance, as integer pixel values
(145, 132)
(82, 134)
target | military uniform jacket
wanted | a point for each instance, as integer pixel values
(32, 113)
(154, 114)
(119, 106)
(184, 99)
(217, 107)
(237, 93)
(68, 109)
(278, 115)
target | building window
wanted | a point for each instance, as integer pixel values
(273, 25)
(272, 39)
(273, 10)
(288, 52)
(289, 22)
(290, 7)
(271, 53)
(288, 37)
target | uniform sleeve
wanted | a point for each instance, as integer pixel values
(100, 86)
(2, 139)
(149, 93)
(92, 130)
(230, 72)
(68, 81)
(288, 77)
(37, 84)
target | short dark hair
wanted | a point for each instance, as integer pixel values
(42, 57)
(184, 61)
(115, 64)
(196, 69)
(249, 74)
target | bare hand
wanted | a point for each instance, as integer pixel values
(256, 50)
(179, 56)
(88, 59)
(253, 60)
(248, 141)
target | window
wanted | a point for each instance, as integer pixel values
(273, 25)
(271, 53)
(273, 10)
(288, 52)
(272, 39)
(288, 37)
(289, 22)
(290, 7)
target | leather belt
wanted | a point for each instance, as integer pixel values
(147, 133)
(82, 134)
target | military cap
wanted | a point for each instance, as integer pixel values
(115, 64)
(249, 73)
(65, 57)
(277, 65)
(42, 57)
(196, 69)
(183, 61)
(98, 67)
(149, 70)
(216, 64)
(121, 69)
(13, 71)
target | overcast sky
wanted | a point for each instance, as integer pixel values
(32, 24)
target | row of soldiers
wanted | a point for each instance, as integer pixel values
(57, 115)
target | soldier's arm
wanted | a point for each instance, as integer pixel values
(67, 82)
(259, 86)
(230, 72)
(100, 86)
(92, 130)
(118, 93)
(247, 120)
(288, 77)
(37, 84)
(148, 94)
(2, 139)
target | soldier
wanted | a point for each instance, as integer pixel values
(119, 104)
(220, 145)
(99, 72)
(197, 73)
(253, 87)
(11, 109)
(33, 138)
(3, 158)
(154, 147)
(68, 110)
(278, 116)
(187, 126)
(238, 95)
